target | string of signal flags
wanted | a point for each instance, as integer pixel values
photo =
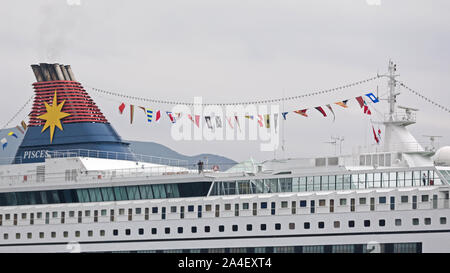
(155, 116)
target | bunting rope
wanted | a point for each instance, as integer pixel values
(423, 97)
(235, 103)
(18, 112)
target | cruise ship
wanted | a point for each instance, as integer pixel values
(78, 188)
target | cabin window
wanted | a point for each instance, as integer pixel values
(351, 224)
(306, 225)
(322, 203)
(337, 224)
(398, 222)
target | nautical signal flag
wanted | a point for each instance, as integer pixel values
(372, 97)
(24, 125)
(149, 113)
(218, 122)
(284, 114)
(237, 122)
(331, 109)
(260, 122)
(4, 143)
(12, 134)
(360, 101)
(171, 117)
(197, 120)
(320, 109)
(342, 103)
(366, 109)
(302, 112)
(121, 107)
(131, 113)
(229, 122)
(267, 119)
(375, 135)
(158, 115)
(208, 122)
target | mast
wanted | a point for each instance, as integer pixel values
(392, 84)
(397, 137)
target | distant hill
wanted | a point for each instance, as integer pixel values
(155, 149)
(137, 147)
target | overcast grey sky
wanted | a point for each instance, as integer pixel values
(235, 50)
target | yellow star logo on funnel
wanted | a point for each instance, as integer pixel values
(53, 116)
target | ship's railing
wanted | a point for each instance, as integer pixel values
(413, 146)
(79, 176)
(102, 154)
(117, 156)
(402, 117)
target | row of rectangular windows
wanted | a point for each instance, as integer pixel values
(348, 248)
(327, 182)
(227, 207)
(235, 228)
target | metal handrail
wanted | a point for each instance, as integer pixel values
(103, 154)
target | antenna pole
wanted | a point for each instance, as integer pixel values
(392, 84)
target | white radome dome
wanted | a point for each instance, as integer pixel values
(442, 156)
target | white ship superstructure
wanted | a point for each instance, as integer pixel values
(88, 200)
